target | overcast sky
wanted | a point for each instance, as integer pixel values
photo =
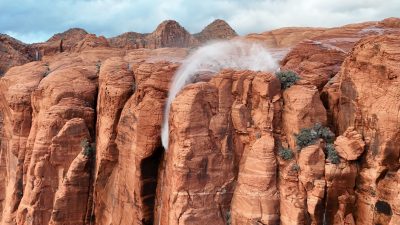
(37, 20)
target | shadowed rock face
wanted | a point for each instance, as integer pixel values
(13, 53)
(217, 30)
(80, 132)
(169, 34)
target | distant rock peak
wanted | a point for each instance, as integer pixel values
(218, 29)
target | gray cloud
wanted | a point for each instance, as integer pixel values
(33, 21)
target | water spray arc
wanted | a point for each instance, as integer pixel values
(211, 58)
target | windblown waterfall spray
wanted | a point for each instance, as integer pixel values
(212, 58)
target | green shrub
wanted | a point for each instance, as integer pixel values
(306, 137)
(285, 153)
(333, 156)
(88, 149)
(45, 73)
(287, 78)
(296, 167)
(324, 133)
(98, 65)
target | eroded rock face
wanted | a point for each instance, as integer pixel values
(256, 195)
(130, 155)
(13, 53)
(340, 196)
(128, 40)
(217, 30)
(314, 61)
(16, 111)
(53, 144)
(369, 103)
(223, 164)
(350, 145)
(61, 42)
(169, 34)
(302, 109)
(312, 171)
(201, 161)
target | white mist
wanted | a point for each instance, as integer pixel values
(239, 55)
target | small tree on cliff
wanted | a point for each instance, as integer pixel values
(308, 136)
(285, 153)
(88, 149)
(287, 78)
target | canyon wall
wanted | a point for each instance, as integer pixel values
(81, 133)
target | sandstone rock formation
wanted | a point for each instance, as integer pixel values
(80, 131)
(13, 53)
(130, 145)
(312, 170)
(350, 145)
(368, 83)
(314, 62)
(169, 34)
(16, 110)
(217, 30)
(61, 42)
(302, 109)
(128, 40)
(203, 154)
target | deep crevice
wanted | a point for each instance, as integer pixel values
(149, 175)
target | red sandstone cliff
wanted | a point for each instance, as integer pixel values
(80, 132)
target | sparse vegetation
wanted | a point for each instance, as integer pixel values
(296, 167)
(258, 135)
(287, 78)
(333, 156)
(308, 136)
(285, 153)
(47, 71)
(98, 65)
(228, 217)
(133, 87)
(372, 191)
(88, 148)
(324, 133)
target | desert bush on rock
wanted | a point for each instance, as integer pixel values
(88, 149)
(333, 156)
(308, 136)
(324, 133)
(287, 78)
(285, 153)
(46, 72)
(98, 65)
(296, 167)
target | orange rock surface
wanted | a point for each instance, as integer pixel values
(80, 130)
